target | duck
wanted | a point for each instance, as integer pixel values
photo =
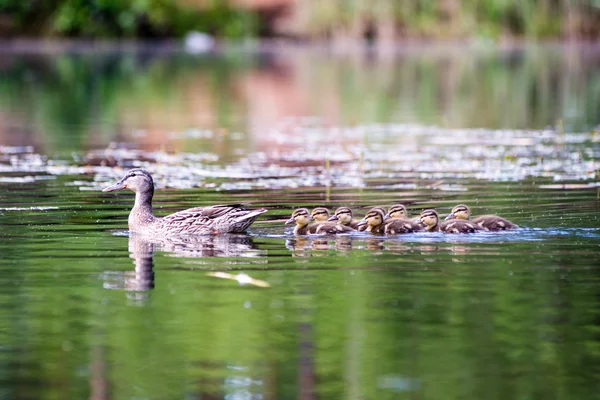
(485, 222)
(302, 217)
(209, 220)
(397, 221)
(431, 219)
(373, 221)
(362, 227)
(344, 216)
(320, 214)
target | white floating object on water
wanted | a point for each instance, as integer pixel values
(242, 278)
(198, 42)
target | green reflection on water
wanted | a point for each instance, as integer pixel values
(65, 101)
(510, 317)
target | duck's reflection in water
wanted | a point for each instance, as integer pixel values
(141, 250)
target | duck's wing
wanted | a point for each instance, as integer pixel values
(398, 225)
(494, 223)
(459, 226)
(230, 218)
(332, 228)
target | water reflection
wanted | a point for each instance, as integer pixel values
(69, 100)
(142, 248)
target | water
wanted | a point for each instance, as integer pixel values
(87, 310)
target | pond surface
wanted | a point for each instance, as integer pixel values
(89, 311)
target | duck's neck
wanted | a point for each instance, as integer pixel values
(372, 228)
(300, 229)
(433, 228)
(141, 213)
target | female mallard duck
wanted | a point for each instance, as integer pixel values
(431, 220)
(301, 217)
(397, 221)
(319, 214)
(486, 222)
(344, 216)
(193, 221)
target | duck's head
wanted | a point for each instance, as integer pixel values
(343, 215)
(320, 214)
(460, 211)
(429, 218)
(136, 180)
(300, 216)
(397, 211)
(374, 217)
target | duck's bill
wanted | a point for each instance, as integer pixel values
(386, 216)
(450, 216)
(290, 221)
(362, 222)
(112, 188)
(332, 218)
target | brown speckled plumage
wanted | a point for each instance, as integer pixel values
(485, 222)
(431, 220)
(194, 221)
(301, 217)
(344, 216)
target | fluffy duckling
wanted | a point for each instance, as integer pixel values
(431, 220)
(397, 211)
(485, 222)
(320, 214)
(344, 216)
(373, 221)
(301, 217)
(397, 221)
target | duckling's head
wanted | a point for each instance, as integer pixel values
(397, 211)
(430, 218)
(320, 214)
(343, 215)
(374, 217)
(136, 180)
(460, 211)
(300, 217)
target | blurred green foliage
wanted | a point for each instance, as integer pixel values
(123, 18)
(374, 19)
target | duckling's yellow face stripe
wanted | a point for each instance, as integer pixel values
(461, 212)
(374, 218)
(344, 215)
(320, 214)
(429, 217)
(300, 217)
(397, 212)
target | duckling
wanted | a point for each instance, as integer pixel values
(431, 220)
(193, 221)
(397, 211)
(485, 222)
(302, 218)
(363, 227)
(344, 216)
(397, 221)
(320, 214)
(373, 221)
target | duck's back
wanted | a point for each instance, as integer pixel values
(208, 220)
(459, 226)
(400, 225)
(331, 228)
(494, 223)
